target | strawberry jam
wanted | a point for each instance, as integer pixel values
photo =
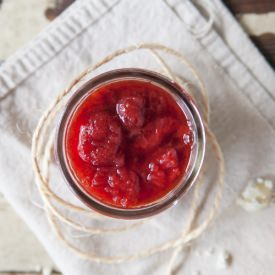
(128, 143)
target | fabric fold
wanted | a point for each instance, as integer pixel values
(240, 87)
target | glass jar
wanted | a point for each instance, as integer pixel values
(183, 100)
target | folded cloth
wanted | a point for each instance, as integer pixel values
(241, 92)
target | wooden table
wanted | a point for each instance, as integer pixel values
(20, 252)
(258, 18)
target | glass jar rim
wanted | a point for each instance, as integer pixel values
(172, 197)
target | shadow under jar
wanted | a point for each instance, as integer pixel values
(130, 143)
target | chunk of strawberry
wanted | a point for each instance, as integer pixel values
(99, 140)
(104, 155)
(99, 125)
(114, 192)
(154, 133)
(122, 178)
(84, 144)
(114, 135)
(168, 159)
(100, 177)
(131, 111)
(119, 159)
(125, 181)
(173, 173)
(157, 103)
(156, 175)
(117, 197)
(163, 167)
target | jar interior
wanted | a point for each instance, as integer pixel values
(197, 150)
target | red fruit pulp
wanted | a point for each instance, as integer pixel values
(126, 143)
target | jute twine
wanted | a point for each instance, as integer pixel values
(42, 147)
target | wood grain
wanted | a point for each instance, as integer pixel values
(19, 249)
(250, 6)
(58, 7)
(266, 43)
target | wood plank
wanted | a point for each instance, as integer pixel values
(266, 44)
(57, 7)
(14, 35)
(250, 6)
(265, 41)
(257, 24)
(19, 249)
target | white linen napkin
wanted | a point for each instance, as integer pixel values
(241, 91)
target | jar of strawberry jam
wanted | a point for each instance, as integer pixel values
(130, 143)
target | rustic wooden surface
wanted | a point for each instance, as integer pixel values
(19, 249)
(266, 43)
(56, 7)
(20, 252)
(261, 10)
(250, 6)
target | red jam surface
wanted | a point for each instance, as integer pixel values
(128, 143)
